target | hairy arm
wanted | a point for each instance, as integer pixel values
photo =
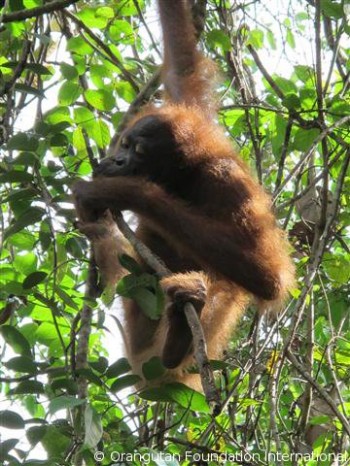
(187, 75)
(214, 244)
(180, 52)
(107, 244)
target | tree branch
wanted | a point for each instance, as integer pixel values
(193, 321)
(323, 394)
(18, 70)
(105, 49)
(55, 5)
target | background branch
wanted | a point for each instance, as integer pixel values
(49, 7)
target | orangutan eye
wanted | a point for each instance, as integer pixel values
(139, 149)
(124, 143)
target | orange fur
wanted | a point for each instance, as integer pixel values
(207, 218)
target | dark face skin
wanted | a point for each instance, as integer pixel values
(147, 149)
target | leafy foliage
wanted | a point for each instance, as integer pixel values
(67, 79)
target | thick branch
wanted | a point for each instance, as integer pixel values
(85, 329)
(38, 11)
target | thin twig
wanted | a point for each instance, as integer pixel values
(323, 394)
(18, 70)
(141, 99)
(319, 138)
(105, 49)
(82, 352)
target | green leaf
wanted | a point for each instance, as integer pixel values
(34, 279)
(28, 89)
(105, 12)
(69, 93)
(332, 9)
(217, 38)
(67, 385)
(290, 38)
(16, 5)
(101, 365)
(148, 302)
(256, 38)
(58, 115)
(21, 364)
(79, 46)
(23, 141)
(79, 140)
(317, 420)
(89, 17)
(128, 9)
(117, 368)
(16, 340)
(92, 426)
(39, 69)
(35, 433)
(99, 132)
(69, 72)
(303, 72)
(46, 332)
(68, 301)
(16, 195)
(84, 117)
(245, 402)
(22, 240)
(303, 138)
(64, 402)
(108, 295)
(180, 394)
(11, 420)
(286, 85)
(271, 39)
(337, 268)
(100, 99)
(218, 365)
(291, 101)
(58, 140)
(6, 447)
(27, 159)
(125, 382)
(125, 91)
(55, 443)
(29, 217)
(90, 376)
(76, 247)
(36, 68)
(153, 369)
(16, 176)
(130, 264)
(121, 31)
(145, 290)
(26, 263)
(278, 135)
(130, 282)
(27, 387)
